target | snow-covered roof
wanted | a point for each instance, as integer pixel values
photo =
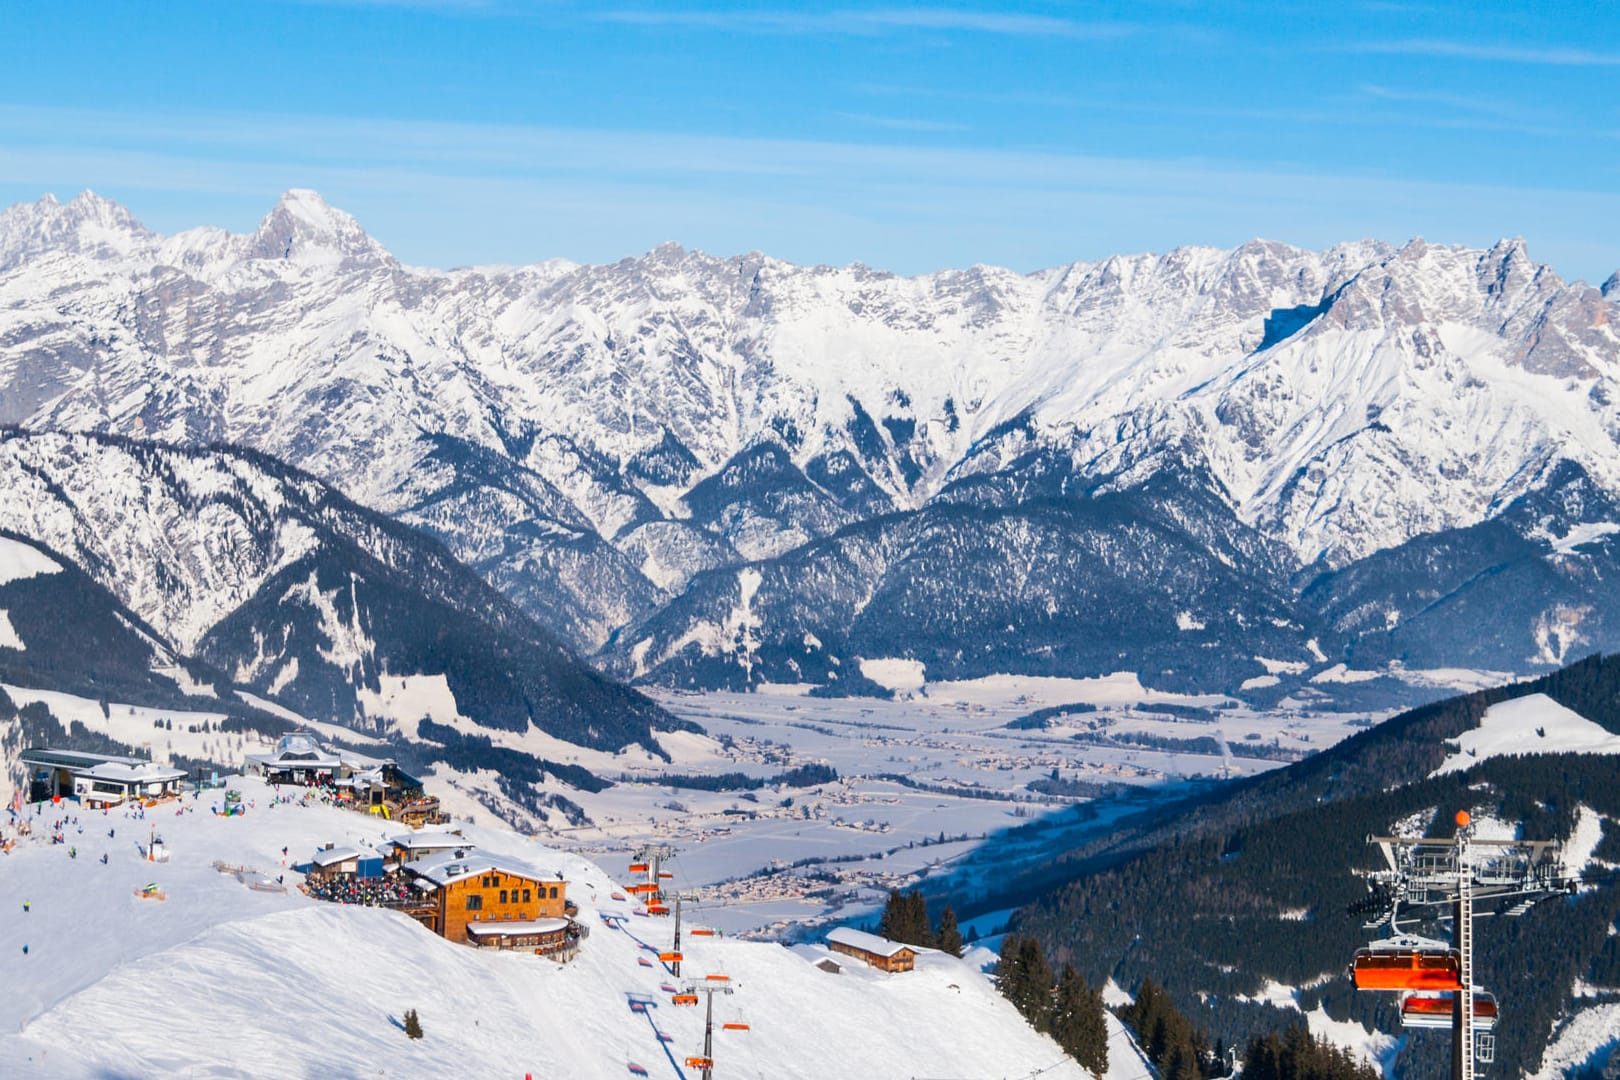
(298, 759)
(143, 772)
(871, 943)
(72, 759)
(453, 866)
(531, 926)
(329, 856)
(430, 841)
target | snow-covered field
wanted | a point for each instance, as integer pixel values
(939, 762)
(220, 980)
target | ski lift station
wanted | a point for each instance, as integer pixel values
(96, 780)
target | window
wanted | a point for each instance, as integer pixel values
(503, 896)
(525, 896)
(475, 902)
(554, 892)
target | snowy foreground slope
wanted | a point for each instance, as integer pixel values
(220, 980)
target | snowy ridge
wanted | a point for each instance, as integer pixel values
(1325, 392)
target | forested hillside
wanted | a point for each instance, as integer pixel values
(1219, 896)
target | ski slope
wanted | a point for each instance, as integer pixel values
(221, 980)
(1533, 724)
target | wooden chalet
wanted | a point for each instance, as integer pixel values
(879, 952)
(461, 889)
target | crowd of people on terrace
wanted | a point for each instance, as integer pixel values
(390, 890)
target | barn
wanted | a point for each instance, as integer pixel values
(879, 952)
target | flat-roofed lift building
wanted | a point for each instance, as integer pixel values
(96, 780)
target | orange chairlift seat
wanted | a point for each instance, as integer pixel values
(1433, 1010)
(666, 875)
(683, 999)
(641, 888)
(1407, 963)
(670, 957)
(734, 1027)
(638, 868)
(701, 932)
(658, 909)
(718, 978)
(696, 1062)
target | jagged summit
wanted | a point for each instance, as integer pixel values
(86, 225)
(587, 436)
(303, 227)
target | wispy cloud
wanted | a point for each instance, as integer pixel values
(1511, 54)
(901, 123)
(446, 193)
(880, 21)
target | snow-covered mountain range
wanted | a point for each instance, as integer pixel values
(725, 470)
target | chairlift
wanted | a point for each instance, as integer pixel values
(638, 868)
(697, 1062)
(1407, 963)
(734, 1027)
(1433, 1010)
(683, 999)
(717, 978)
(699, 932)
(670, 957)
(658, 909)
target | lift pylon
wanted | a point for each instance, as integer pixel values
(711, 985)
(649, 860)
(1439, 878)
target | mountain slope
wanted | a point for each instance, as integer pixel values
(312, 988)
(1238, 899)
(594, 439)
(277, 580)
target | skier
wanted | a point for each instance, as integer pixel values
(73, 853)
(27, 905)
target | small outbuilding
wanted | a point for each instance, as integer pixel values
(877, 951)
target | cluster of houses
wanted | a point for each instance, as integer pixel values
(461, 894)
(372, 784)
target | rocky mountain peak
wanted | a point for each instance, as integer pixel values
(304, 228)
(88, 225)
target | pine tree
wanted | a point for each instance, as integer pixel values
(889, 925)
(949, 938)
(413, 1026)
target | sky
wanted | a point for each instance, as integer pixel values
(909, 137)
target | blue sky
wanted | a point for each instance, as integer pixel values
(908, 137)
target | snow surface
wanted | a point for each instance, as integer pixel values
(9, 638)
(221, 980)
(19, 560)
(1534, 724)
